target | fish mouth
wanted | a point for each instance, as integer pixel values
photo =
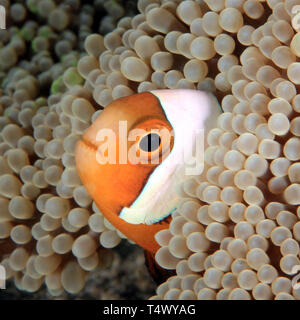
(88, 145)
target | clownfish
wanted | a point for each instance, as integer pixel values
(138, 150)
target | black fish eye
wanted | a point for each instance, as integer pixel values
(150, 142)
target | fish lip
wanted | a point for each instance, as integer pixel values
(89, 143)
(90, 146)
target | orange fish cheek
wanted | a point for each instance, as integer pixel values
(116, 185)
(112, 187)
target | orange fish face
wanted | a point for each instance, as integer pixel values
(114, 185)
(128, 160)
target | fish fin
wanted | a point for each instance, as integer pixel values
(158, 274)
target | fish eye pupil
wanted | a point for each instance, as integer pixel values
(150, 142)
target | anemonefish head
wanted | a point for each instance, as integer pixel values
(138, 150)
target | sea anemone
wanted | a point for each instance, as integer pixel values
(236, 232)
(51, 231)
